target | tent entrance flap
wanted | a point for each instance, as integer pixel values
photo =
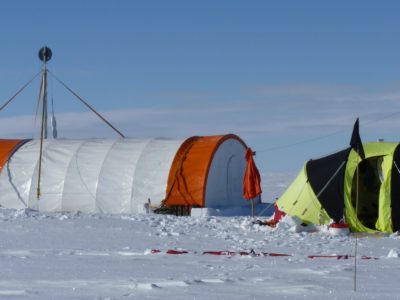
(395, 190)
(369, 184)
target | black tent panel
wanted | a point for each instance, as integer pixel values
(321, 175)
(395, 190)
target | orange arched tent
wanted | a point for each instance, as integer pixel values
(189, 181)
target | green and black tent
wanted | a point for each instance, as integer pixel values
(327, 189)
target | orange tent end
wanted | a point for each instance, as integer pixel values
(188, 175)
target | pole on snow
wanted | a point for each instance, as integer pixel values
(357, 146)
(45, 55)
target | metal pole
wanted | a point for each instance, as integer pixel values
(330, 179)
(43, 131)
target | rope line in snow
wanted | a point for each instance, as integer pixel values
(254, 254)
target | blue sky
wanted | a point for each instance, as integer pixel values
(276, 73)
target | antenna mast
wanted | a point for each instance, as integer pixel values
(45, 55)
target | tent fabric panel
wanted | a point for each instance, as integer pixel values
(195, 169)
(351, 216)
(309, 209)
(371, 150)
(32, 165)
(395, 191)
(151, 173)
(293, 192)
(16, 178)
(300, 200)
(375, 149)
(176, 191)
(7, 148)
(14, 189)
(55, 162)
(379, 148)
(82, 176)
(115, 180)
(321, 175)
(225, 177)
(188, 176)
(384, 222)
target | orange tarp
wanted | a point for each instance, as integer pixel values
(251, 180)
(188, 175)
(7, 148)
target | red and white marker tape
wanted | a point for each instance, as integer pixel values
(253, 253)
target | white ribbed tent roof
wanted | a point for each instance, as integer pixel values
(96, 175)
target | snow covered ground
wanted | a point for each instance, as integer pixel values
(79, 256)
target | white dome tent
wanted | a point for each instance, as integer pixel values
(121, 175)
